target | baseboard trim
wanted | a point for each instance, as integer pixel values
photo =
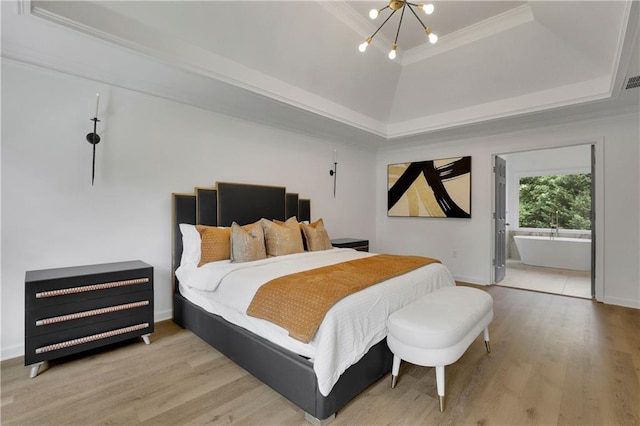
(618, 301)
(470, 280)
(163, 315)
(11, 352)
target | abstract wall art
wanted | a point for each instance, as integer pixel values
(434, 188)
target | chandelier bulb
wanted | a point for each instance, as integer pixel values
(392, 53)
(427, 8)
(432, 37)
(364, 45)
(373, 13)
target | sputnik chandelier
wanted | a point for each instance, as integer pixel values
(396, 5)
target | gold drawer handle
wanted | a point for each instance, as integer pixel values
(84, 314)
(93, 287)
(91, 338)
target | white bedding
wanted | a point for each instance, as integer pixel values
(350, 328)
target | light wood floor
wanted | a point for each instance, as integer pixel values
(554, 360)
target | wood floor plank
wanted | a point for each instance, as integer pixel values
(554, 360)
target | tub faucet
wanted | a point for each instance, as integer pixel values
(555, 227)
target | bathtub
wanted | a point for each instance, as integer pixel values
(559, 252)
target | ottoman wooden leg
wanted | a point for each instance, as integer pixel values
(437, 329)
(395, 369)
(440, 385)
(486, 339)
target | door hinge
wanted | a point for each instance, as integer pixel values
(494, 215)
(494, 262)
(494, 169)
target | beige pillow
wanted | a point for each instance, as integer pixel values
(316, 236)
(247, 242)
(281, 239)
(215, 243)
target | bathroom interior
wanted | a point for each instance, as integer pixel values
(547, 257)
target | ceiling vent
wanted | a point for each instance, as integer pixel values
(633, 82)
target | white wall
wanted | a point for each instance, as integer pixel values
(53, 217)
(472, 238)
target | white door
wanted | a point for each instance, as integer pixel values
(499, 257)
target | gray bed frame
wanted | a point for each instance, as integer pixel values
(288, 373)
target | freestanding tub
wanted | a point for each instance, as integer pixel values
(559, 252)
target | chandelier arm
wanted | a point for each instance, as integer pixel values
(416, 15)
(382, 25)
(400, 23)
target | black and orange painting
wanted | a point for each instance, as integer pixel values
(434, 188)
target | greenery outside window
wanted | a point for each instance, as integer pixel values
(568, 195)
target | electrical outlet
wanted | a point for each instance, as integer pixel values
(454, 254)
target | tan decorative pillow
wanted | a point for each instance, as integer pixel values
(281, 239)
(316, 236)
(247, 242)
(215, 243)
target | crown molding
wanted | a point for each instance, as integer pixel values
(496, 24)
(629, 33)
(192, 59)
(565, 96)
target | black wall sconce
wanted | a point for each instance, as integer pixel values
(93, 138)
(334, 171)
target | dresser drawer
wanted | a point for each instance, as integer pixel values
(42, 291)
(90, 336)
(53, 318)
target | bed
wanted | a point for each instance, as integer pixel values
(287, 370)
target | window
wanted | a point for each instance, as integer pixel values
(568, 195)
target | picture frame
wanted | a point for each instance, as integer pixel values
(432, 188)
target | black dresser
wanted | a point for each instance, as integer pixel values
(70, 310)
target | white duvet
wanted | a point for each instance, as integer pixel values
(350, 328)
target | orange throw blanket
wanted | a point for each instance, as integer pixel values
(299, 302)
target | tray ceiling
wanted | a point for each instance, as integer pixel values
(493, 59)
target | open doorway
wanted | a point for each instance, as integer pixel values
(548, 220)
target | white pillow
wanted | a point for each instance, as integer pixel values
(191, 245)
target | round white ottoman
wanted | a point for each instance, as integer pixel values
(437, 329)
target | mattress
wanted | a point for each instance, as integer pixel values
(350, 328)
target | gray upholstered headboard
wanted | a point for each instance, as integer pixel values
(229, 202)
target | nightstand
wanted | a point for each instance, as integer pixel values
(70, 310)
(354, 243)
